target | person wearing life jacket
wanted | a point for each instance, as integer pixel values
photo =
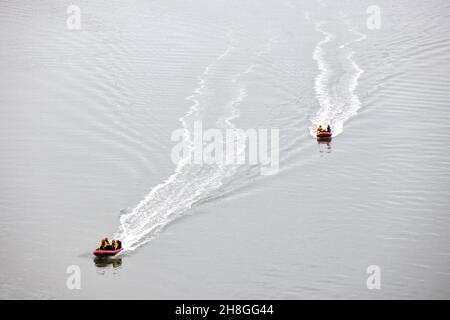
(106, 244)
(320, 129)
(118, 244)
(328, 128)
(114, 245)
(102, 244)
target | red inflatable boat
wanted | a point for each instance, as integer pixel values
(324, 134)
(106, 253)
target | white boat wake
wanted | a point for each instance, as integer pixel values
(190, 183)
(337, 80)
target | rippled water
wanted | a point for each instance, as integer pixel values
(86, 123)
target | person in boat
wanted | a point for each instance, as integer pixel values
(102, 244)
(117, 244)
(108, 245)
(328, 128)
(320, 129)
(105, 245)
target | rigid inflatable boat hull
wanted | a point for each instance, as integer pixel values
(324, 135)
(106, 253)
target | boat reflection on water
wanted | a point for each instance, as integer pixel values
(324, 145)
(103, 262)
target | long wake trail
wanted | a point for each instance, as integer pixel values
(335, 85)
(177, 193)
(190, 183)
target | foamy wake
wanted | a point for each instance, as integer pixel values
(190, 183)
(336, 82)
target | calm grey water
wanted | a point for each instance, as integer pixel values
(86, 118)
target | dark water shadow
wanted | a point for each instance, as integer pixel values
(324, 145)
(104, 262)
